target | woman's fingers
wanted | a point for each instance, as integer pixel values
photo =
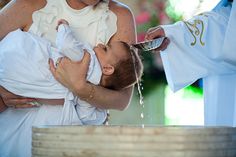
(52, 68)
(16, 101)
(12, 102)
(86, 59)
(69, 73)
(3, 107)
(25, 106)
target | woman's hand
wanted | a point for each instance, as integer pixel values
(157, 32)
(71, 74)
(12, 100)
(3, 107)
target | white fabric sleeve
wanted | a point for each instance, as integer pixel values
(69, 114)
(90, 115)
(68, 45)
(229, 47)
(195, 50)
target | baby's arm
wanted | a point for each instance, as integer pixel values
(67, 43)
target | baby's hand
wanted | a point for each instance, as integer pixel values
(62, 21)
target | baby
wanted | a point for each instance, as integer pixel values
(117, 60)
(24, 69)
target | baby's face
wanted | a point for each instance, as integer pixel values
(110, 54)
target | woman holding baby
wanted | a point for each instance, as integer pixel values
(93, 21)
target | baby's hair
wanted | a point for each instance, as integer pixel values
(126, 70)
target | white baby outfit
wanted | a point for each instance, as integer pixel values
(31, 60)
(90, 25)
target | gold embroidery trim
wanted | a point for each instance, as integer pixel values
(196, 29)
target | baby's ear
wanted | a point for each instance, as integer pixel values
(108, 69)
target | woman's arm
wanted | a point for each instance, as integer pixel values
(17, 14)
(68, 72)
(126, 31)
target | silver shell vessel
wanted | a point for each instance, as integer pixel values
(149, 45)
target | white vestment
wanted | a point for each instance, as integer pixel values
(204, 47)
(91, 26)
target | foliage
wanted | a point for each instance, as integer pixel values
(170, 10)
(147, 18)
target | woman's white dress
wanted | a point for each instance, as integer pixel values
(90, 25)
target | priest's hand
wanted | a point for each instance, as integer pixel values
(157, 32)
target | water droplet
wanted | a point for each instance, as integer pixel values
(139, 85)
(141, 100)
(142, 115)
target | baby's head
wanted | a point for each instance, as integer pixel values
(120, 64)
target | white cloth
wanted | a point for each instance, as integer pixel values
(31, 60)
(92, 26)
(202, 47)
(73, 48)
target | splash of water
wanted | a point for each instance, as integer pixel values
(141, 98)
(136, 75)
(140, 92)
(142, 115)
